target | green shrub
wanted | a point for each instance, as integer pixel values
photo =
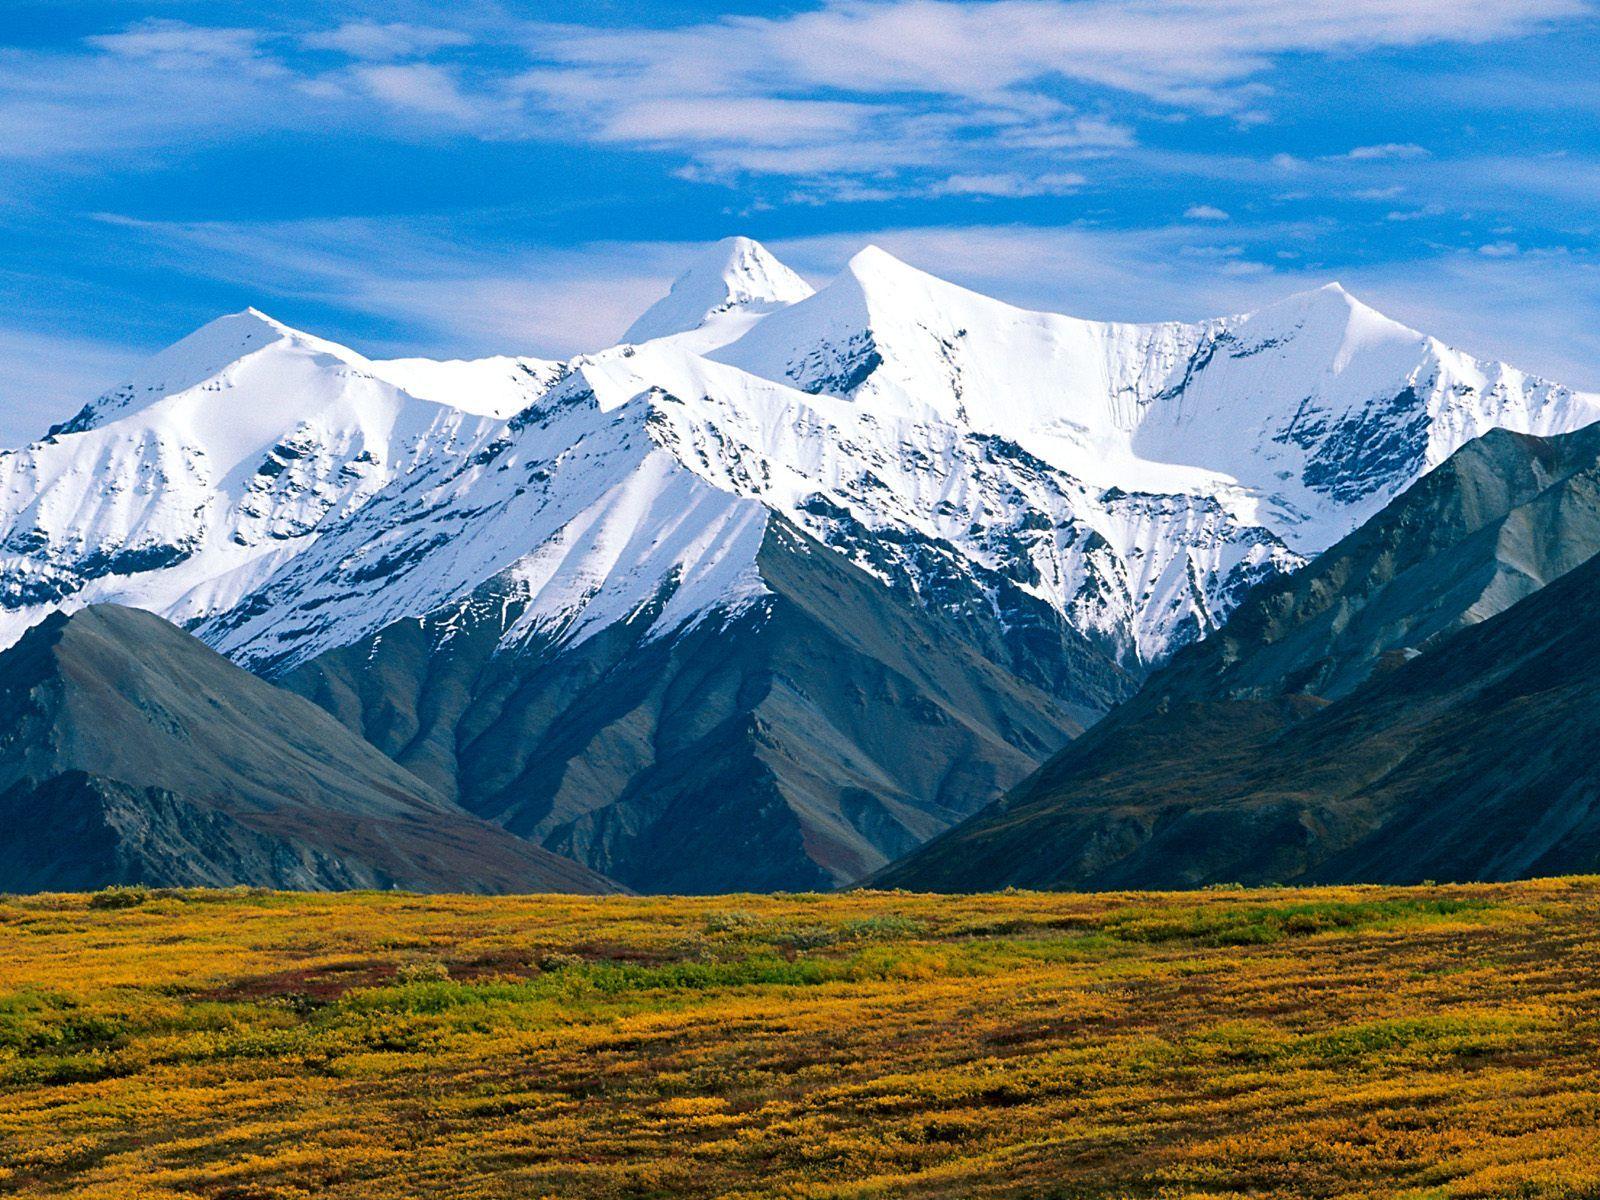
(734, 921)
(118, 896)
(426, 971)
(809, 937)
(887, 927)
(555, 960)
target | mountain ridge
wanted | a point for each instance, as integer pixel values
(1145, 557)
(736, 276)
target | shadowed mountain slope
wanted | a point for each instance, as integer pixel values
(132, 753)
(802, 742)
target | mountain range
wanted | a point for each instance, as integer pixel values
(780, 587)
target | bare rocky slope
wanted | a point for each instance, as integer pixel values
(802, 742)
(132, 753)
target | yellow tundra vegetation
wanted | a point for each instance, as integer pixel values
(1347, 1042)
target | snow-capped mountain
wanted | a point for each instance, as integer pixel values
(188, 487)
(726, 292)
(1136, 478)
(1181, 461)
(1077, 498)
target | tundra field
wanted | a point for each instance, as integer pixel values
(1345, 1042)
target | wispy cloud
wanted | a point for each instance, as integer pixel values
(908, 91)
(1051, 183)
(381, 41)
(999, 64)
(170, 45)
(947, 78)
(152, 85)
(1388, 150)
(48, 377)
(1188, 52)
(425, 88)
(452, 299)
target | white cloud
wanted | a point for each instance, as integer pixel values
(1499, 249)
(375, 41)
(915, 78)
(422, 88)
(163, 85)
(1388, 150)
(869, 96)
(1199, 54)
(1010, 184)
(1189, 52)
(1205, 212)
(158, 84)
(1422, 212)
(733, 122)
(179, 46)
(754, 121)
(458, 296)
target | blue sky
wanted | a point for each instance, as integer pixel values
(475, 178)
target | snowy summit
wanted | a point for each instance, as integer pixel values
(736, 277)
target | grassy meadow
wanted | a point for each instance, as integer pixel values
(1344, 1042)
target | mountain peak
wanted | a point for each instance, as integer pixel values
(204, 354)
(873, 258)
(1332, 308)
(1333, 296)
(186, 362)
(221, 342)
(735, 273)
(252, 317)
(873, 267)
(247, 327)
